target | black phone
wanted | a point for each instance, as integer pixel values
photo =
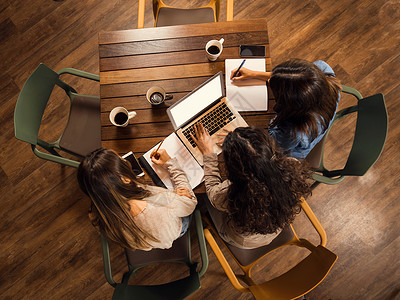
(251, 50)
(134, 163)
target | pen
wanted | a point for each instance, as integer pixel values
(157, 156)
(237, 71)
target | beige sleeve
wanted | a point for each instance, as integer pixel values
(216, 189)
(178, 176)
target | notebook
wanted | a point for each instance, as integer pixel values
(249, 95)
(175, 148)
(206, 104)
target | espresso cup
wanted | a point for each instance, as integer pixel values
(214, 49)
(120, 116)
(157, 95)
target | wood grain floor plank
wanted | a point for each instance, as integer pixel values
(44, 224)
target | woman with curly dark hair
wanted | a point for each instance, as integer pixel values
(262, 193)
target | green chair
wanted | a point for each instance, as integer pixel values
(179, 252)
(82, 133)
(369, 139)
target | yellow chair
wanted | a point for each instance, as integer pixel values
(295, 283)
(165, 15)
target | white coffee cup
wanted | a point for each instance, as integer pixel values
(120, 116)
(214, 49)
(157, 95)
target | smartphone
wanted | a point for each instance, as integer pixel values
(134, 163)
(251, 50)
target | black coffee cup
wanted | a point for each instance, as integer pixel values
(120, 116)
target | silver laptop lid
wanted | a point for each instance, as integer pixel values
(194, 103)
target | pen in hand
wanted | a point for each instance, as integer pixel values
(237, 71)
(155, 154)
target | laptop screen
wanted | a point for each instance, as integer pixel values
(189, 106)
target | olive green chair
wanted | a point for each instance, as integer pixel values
(180, 252)
(294, 283)
(369, 139)
(82, 133)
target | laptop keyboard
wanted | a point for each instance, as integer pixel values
(213, 121)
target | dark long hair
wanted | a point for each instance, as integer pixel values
(266, 186)
(304, 95)
(100, 177)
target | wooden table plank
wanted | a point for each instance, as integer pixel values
(140, 88)
(140, 102)
(164, 128)
(170, 32)
(181, 44)
(170, 72)
(168, 58)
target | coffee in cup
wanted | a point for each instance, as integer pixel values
(157, 95)
(120, 116)
(214, 49)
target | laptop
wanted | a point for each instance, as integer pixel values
(206, 104)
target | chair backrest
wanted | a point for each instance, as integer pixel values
(179, 252)
(32, 102)
(82, 132)
(369, 139)
(294, 283)
(165, 15)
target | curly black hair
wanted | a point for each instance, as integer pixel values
(266, 186)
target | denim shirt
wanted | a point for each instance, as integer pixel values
(302, 144)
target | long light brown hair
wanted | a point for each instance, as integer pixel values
(100, 177)
(304, 96)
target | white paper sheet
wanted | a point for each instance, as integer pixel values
(249, 95)
(175, 148)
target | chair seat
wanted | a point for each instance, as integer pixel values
(176, 16)
(82, 134)
(179, 251)
(179, 289)
(301, 279)
(247, 256)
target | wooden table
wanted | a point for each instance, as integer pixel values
(131, 61)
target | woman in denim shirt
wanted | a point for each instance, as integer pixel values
(307, 95)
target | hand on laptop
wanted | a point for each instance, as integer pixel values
(223, 135)
(203, 139)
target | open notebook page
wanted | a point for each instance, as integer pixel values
(246, 95)
(175, 148)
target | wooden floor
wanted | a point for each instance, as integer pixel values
(49, 249)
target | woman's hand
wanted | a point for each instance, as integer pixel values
(159, 157)
(203, 139)
(245, 74)
(222, 135)
(183, 192)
